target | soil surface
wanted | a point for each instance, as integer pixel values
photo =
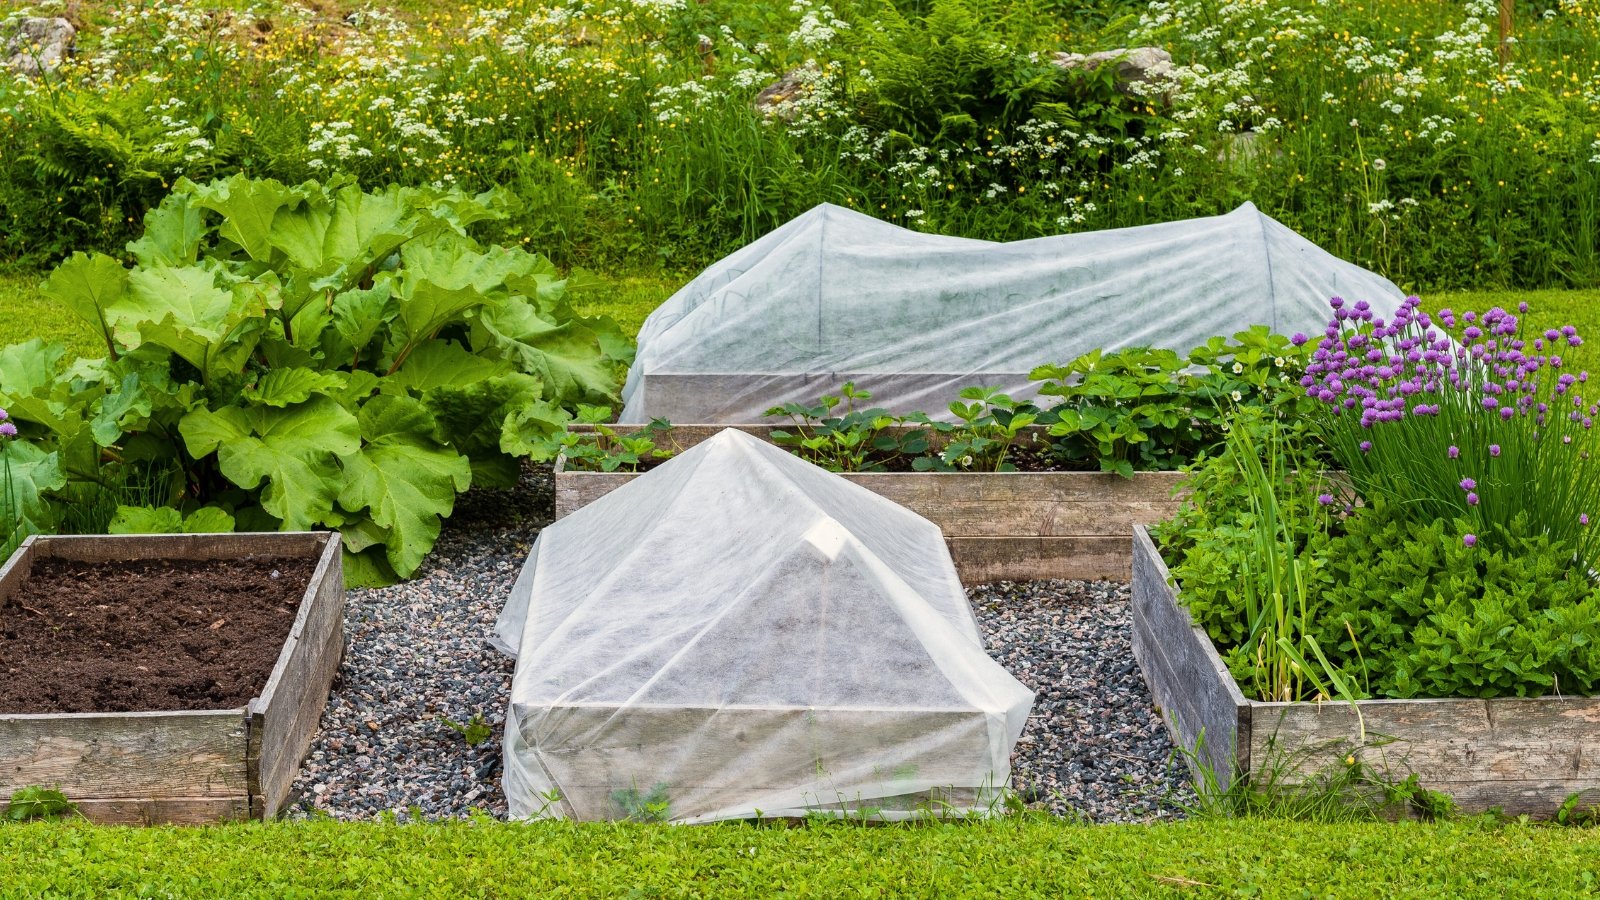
(146, 635)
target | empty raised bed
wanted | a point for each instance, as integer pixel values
(188, 675)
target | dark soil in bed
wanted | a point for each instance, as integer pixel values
(142, 635)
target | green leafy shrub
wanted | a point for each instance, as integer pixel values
(1396, 609)
(313, 356)
(1420, 613)
(1150, 409)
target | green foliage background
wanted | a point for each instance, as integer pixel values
(1390, 134)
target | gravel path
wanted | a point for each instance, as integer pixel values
(1094, 748)
(417, 655)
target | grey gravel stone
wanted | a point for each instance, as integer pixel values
(1094, 747)
(417, 655)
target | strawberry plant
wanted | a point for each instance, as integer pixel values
(313, 356)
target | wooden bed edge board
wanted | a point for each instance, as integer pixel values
(327, 577)
(16, 568)
(1168, 592)
(327, 561)
(45, 718)
(144, 811)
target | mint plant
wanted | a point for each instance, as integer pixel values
(314, 356)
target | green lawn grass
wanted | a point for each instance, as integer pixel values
(1004, 859)
(25, 313)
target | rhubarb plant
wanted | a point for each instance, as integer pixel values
(314, 356)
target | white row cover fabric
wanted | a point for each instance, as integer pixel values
(836, 296)
(738, 633)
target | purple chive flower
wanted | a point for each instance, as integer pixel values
(1472, 499)
(4, 415)
(1583, 518)
(1454, 451)
(1522, 307)
(1366, 446)
(1299, 339)
(1325, 499)
(1468, 484)
(7, 429)
(1471, 540)
(1494, 449)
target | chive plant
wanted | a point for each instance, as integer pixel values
(1482, 428)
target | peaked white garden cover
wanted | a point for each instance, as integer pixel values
(740, 633)
(837, 296)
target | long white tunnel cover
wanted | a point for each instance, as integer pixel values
(836, 296)
(738, 633)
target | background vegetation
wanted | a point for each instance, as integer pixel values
(1389, 133)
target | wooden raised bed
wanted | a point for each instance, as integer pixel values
(626, 746)
(1523, 755)
(194, 766)
(1000, 526)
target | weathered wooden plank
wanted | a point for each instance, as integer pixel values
(1535, 798)
(1509, 739)
(92, 756)
(984, 559)
(593, 752)
(972, 505)
(1142, 491)
(16, 570)
(290, 706)
(163, 811)
(1186, 674)
(117, 547)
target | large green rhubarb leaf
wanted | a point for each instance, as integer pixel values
(294, 450)
(28, 386)
(26, 473)
(166, 520)
(248, 208)
(286, 387)
(125, 409)
(566, 355)
(407, 481)
(186, 311)
(366, 228)
(172, 234)
(445, 364)
(89, 285)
